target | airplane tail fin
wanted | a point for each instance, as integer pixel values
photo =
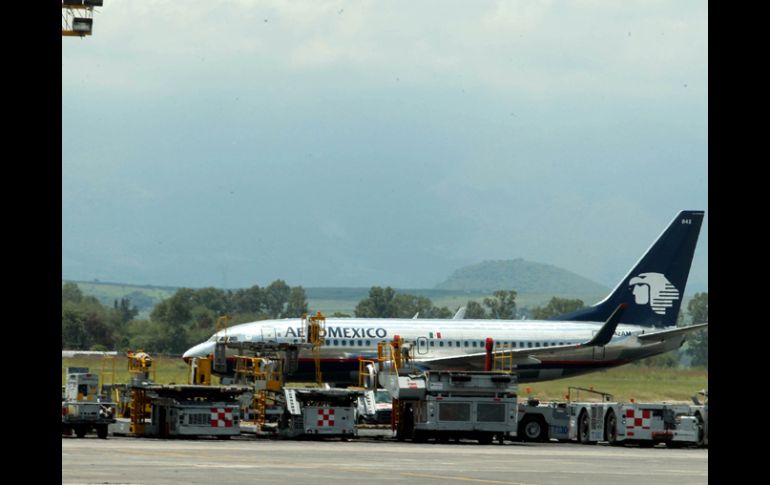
(654, 288)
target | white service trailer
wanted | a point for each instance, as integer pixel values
(645, 424)
(451, 405)
(191, 418)
(319, 413)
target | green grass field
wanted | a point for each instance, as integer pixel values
(167, 369)
(644, 384)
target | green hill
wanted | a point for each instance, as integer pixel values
(144, 297)
(526, 277)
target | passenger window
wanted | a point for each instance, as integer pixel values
(449, 344)
(474, 343)
(360, 343)
(336, 342)
(441, 343)
(432, 343)
(545, 344)
(368, 343)
(529, 344)
(466, 343)
(344, 342)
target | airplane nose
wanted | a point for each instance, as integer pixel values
(200, 350)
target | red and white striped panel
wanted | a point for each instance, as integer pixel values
(325, 417)
(639, 418)
(221, 417)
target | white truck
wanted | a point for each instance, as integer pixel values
(82, 408)
(447, 405)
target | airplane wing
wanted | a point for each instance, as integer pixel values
(530, 356)
(646, 338)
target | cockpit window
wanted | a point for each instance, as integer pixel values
(213, 338)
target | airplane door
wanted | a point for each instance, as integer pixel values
(268, 334)
(422, 345)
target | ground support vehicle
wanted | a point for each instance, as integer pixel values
(191, 411)
(82, 409)
(644, 424)
(445, 405)
(317, 412)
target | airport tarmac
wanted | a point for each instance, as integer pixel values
(120, 460)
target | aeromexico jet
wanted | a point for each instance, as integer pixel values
(636, 320)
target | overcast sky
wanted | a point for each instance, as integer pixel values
(359, 143)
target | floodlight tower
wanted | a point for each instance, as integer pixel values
(77, 17)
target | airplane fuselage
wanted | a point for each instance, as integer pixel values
(348, 339)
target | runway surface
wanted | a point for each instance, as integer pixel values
(370, 461)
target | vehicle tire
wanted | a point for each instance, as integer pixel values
(101, 431)
(584, 429)
(80, 431)
(533, 428)
(611, 429)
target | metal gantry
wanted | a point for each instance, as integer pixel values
(77, 17)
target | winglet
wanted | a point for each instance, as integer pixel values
(604, 335)
(460, 313)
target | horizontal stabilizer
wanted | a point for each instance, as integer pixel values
(460, 314)
(662, 335)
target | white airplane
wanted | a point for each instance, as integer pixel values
(636, 320)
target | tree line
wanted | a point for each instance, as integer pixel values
(189, 316)
(186, 318)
